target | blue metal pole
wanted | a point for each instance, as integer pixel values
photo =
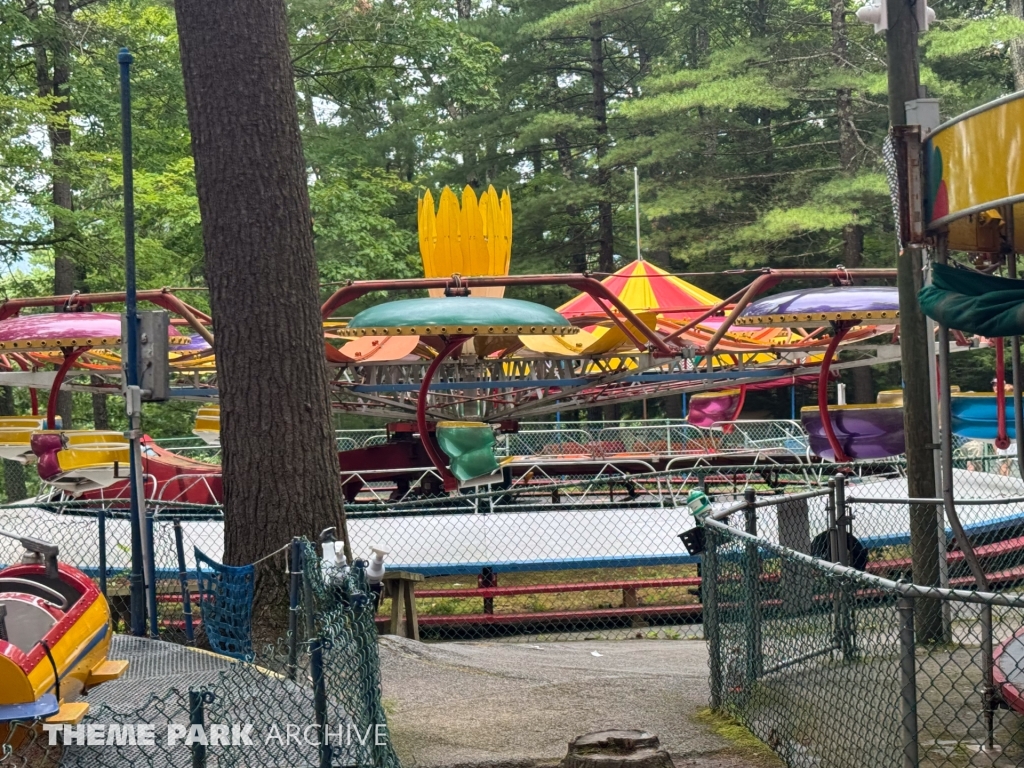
(684, 404)
(186, 598)
(151, 575)
(137, 582)
(792, 402)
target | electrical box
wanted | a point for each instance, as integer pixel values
(925, 113)
(154, 367)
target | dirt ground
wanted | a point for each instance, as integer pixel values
(498, 704)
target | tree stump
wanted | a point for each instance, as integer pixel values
(616, 749)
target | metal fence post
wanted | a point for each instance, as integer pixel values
(752, 579)
(196, 716)
(989, 694)
(712, 617)
(908, 682)
(186, 597)
(316, 668)
(101, 522)
(841, 553)
(154, 619)
(294, 584)
(845, 621)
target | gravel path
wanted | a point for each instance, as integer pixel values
(497, 704)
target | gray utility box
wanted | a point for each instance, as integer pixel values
(154, 367)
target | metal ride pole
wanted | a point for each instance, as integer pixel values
(946, 423)
(636, 206)
(1011, 272)
(131, 373)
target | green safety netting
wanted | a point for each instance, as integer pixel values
(970, 301)
(469, 446)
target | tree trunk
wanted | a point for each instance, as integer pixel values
(605, 253)
(100, 414)
(853, 234)
(576, 234)
(55, 84)
(616, 749)
(1016, 9)
(280, 464)
(14, 473)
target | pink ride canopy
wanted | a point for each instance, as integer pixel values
(54, 330)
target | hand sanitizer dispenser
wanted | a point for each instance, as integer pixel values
(375, 570)
(333, 563)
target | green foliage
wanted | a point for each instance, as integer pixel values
(730, 111)
(962, 37)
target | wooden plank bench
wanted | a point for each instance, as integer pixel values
(401, 587)
(541, 589)
(488, 590)
(641, 613)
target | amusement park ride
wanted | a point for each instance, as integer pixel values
(451, 369)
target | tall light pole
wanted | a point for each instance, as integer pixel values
(905, 22)
(137, 589)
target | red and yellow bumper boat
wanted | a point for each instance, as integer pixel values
(54, 637)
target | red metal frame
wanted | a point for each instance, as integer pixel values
(453, 346)
(1002, 437)
(51, 404)
(826, 366)
(595, 288)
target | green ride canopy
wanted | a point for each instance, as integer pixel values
(969, 301)
(470, 316)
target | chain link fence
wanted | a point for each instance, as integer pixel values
(567, 556)
(569, 546)
(833, 665)
(310, 699)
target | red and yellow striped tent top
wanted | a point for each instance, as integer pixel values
(644, 287)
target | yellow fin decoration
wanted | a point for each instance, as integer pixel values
(506, 212)
(427, 231)
(490, 216)
(474, 254)
(474, 239)
(448, 253)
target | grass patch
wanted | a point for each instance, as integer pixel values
(742, 740)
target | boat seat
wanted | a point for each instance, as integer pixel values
(28, 619)
(30, 586)
(207, 425)
(93, 437)
(92, 455)
(16, 442)
(41, 585)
